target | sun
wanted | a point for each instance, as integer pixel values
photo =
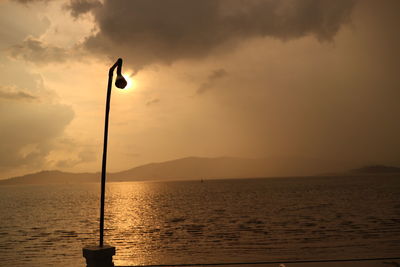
(130, 82)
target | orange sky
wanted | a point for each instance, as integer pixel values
(256, 78)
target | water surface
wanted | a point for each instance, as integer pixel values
(195, 222)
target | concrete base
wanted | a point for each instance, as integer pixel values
(99, 256)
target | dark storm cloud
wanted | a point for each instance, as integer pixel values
(80, 7)
(155, 31)
(38, 52)
(212, 78)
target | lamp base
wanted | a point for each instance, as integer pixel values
(99, 256)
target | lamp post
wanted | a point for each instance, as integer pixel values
(101, 256)
(120, 82)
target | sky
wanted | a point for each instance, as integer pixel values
(315, 79)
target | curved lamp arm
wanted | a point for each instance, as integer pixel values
(120, 82)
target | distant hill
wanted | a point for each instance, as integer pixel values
(52, 177)
(191, 168)
(374, 169)
(195, 168)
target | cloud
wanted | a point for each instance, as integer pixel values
(73, 153)
(31, 119)
(30, 1)
(18, 22)
(212, 78)
(152, 102)
(81, 7)
(12, 94)
(159, 31)
(36, 51)
(28, 132)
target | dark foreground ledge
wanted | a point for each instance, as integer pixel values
(366, 262)
(102, 257)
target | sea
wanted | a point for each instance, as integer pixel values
(204, 221)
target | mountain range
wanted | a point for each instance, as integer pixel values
(197, 168)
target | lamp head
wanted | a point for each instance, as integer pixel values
(120, 81)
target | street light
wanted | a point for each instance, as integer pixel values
(102, 255)
(120, 82)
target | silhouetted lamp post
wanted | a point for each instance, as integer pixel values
(120, 82)
(102, 255)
